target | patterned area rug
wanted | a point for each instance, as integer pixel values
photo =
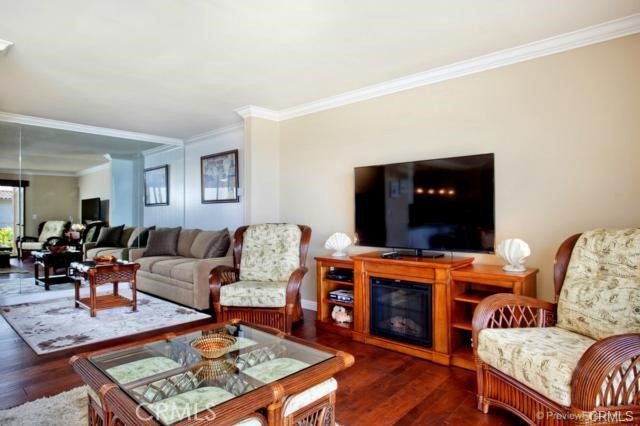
(12, 270)
(66, 408)
(16, 286)
(56, 325)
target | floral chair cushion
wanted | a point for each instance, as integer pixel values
(309, 396)
(255, 294)
(541, 358)
(600, 296)
(132, 371)
(270, 252)
(51, 228)
(275, 369)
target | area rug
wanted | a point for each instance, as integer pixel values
(56, 325)
(66, 408)
(16, 286)
(12, 270)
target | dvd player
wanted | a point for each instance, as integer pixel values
(340, 274)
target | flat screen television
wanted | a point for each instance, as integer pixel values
(90, 209)
(446, 204)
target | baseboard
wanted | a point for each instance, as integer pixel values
(311, 305)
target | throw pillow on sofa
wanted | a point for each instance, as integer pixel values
(110, 237)
(208, 244)
(163, 242)
(140, 240)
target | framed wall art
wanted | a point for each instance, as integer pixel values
(156, 186)
(219, 177)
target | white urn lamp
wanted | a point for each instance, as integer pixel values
(514, 252)
(338, 242)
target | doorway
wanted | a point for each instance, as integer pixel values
(11, 215)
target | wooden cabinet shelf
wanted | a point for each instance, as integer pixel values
(462, 325)
(347, 283)
(472, 296)
(458, 287)
(324, 286)
(469, 286)
(338, 303)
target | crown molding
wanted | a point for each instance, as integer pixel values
(537, 49)
(31, 172)
(258, 112)
(4, 45)
(159, 149)
(83, 128)
(216, 132)
(94, 169)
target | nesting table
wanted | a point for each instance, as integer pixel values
(98, 275)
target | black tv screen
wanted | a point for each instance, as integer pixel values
(443, 204)
(90, 209)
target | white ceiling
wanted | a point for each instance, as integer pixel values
(180, 68)
(45, 150)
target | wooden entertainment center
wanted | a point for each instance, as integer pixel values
(457, 286)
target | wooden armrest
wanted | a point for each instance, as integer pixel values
(293, 286)
(608, 374)
(221, 275)
(506, 310)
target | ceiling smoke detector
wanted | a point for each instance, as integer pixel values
(4, 45)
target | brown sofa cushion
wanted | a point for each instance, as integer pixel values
(110, 237)
(209, 244)
(140, 237)
(185, 241)
(221, 245)
(163, 242)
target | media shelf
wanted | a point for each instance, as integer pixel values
(458, 286)
(469, 286)
(324, 286)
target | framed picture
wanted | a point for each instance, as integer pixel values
(219, 174)
(156, 186)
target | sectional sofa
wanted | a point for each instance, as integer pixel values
(183, 277)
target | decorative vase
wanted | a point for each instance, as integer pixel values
(338, 242)
(514, 252)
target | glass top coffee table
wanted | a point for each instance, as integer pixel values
(166, 380)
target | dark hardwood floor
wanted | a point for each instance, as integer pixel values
(381, 388)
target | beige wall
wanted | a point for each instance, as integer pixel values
(262, 174)
(565, 130)
(96, 184)
(50, 198)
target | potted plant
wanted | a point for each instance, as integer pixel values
(6, 237)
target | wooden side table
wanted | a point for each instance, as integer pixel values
(48, 261)
(105, 274)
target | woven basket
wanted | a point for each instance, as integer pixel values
(211, 369)
(105, 260)
(213, 345)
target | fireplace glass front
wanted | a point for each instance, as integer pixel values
(401, 310)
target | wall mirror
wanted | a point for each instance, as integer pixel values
(84, 180)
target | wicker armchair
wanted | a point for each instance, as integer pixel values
(574, 362)
(49, 233)
(263, 286)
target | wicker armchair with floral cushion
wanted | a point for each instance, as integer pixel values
(263, 286)
(577, 361)
(48, 233)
